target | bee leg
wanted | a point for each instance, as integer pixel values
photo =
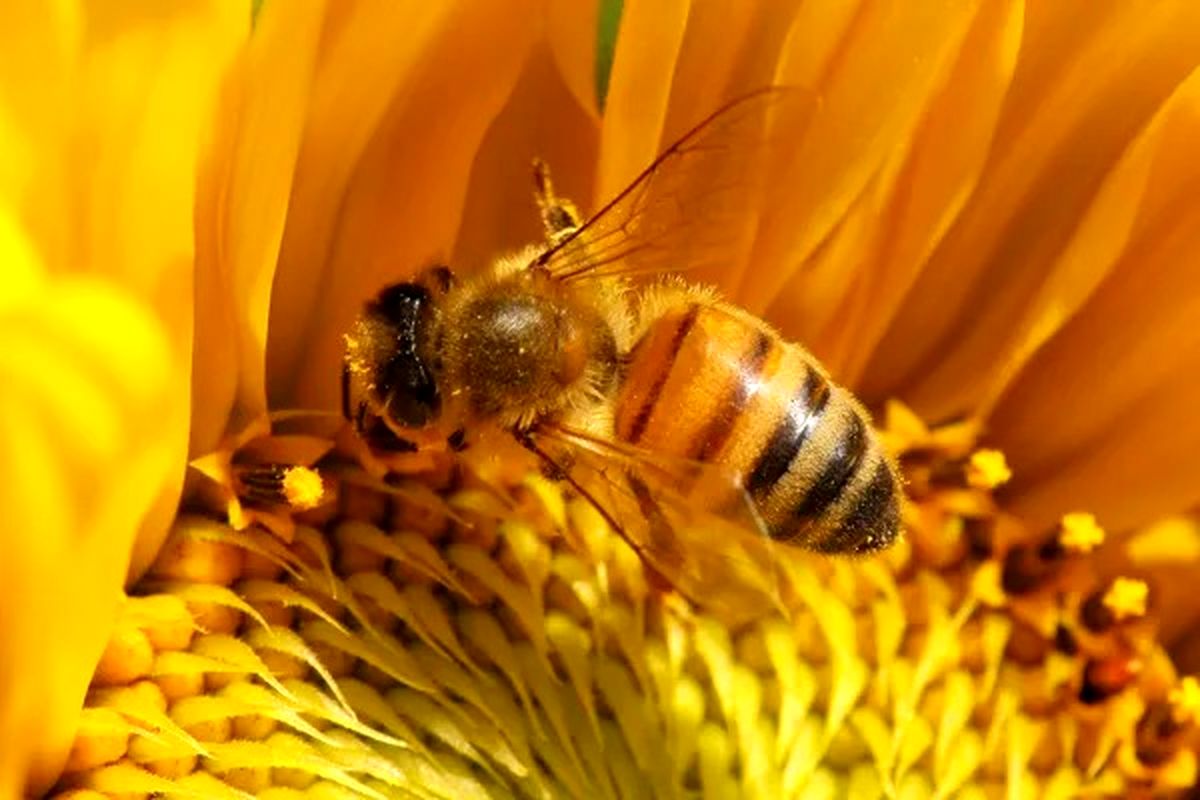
(346, 391)
(559, 215)
(561, 472)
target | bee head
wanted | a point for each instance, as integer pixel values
(389, 353)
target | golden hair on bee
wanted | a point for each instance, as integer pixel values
(555, 345)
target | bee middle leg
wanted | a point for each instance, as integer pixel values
(560, 218)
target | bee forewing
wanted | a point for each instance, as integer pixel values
(693, 206)
(690, 521)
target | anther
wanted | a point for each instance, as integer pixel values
(987, 469)
(1078, 532)
(1185, 701)
(299, 488)
(1126, 598)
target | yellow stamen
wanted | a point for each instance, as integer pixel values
(987, 469)
(103, 738)
(1126, 598)
(128, 656)
(303, 488)
(255, 662)
(1185, 699)
(1079, 532)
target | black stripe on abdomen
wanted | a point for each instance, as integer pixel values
(802, 415)
(642, 418)
(838, 471)
(872, 522)
(746, 380)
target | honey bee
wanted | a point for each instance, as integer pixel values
(557, 346)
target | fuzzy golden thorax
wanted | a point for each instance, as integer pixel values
(517, 346)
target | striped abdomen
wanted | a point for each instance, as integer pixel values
(716, 386)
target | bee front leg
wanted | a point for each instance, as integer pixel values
(559, 215)
(551, 467)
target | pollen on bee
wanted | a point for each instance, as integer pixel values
(1079, 532)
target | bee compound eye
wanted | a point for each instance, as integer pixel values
(403, 379)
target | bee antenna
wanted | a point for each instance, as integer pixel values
(559, 216)
(541, 179)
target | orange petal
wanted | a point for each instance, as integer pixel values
(715, 45)
(693, 60)
(1103, 416)
(871, 86)
(571, 30)
(242, 203)
(90, 417)
(1139, 189)
(648, 45)
(1166, 554)
(401, 100)
(541, 119)
(923, 193)
(1080, 95)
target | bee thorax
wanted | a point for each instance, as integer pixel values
(521, 353)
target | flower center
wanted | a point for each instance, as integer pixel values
(458, 639)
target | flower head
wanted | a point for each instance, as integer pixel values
(983, 209)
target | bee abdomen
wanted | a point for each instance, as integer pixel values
(839, 493)
(720, 387)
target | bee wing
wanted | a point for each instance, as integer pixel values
(691, 521)
(688, 209)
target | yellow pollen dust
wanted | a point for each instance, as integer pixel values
(1126, 598)
(303, 488)
(987, 469)
(1185, 700)
(1079, 532)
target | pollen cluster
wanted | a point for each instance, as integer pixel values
(474, 643)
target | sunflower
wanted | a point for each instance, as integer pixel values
(981, 223)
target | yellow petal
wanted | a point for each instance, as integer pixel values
(541, 119)
(1080, 96)
(382, 170)
(39, 39)
(241, 208)
(146, 91)
(90, 418)
(105, 150)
